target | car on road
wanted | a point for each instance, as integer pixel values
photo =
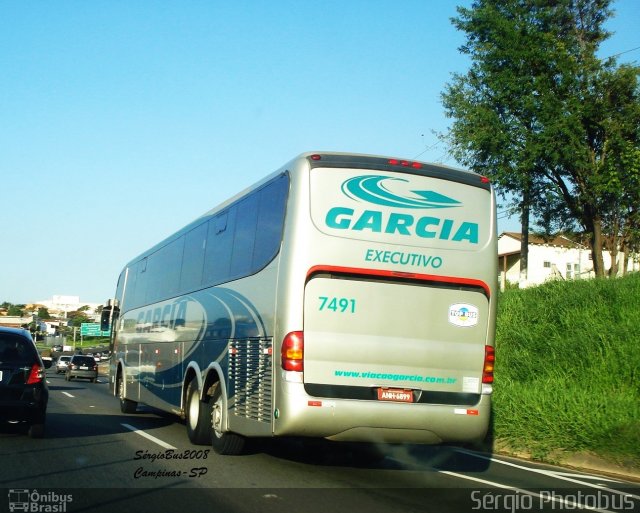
(57, 348)
(82, 366)
(62, 363)
(23, 388)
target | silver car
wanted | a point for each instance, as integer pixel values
(62, 363)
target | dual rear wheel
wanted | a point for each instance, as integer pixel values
(198, 415)
(207, 421)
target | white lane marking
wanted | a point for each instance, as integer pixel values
(542, 498)
(68, 394)
(148, 436)
(551, 473)
(587, 476)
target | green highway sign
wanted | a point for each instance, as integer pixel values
(92, 329)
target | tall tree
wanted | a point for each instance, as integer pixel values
(77, 317)
(620, 176)
(16, 310)
(534, 110)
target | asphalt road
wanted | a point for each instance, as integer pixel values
(93, 458)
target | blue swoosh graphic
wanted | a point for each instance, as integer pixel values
(370, 188)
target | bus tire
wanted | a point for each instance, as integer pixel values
(223, 442)
(126, 405)
(198, 415)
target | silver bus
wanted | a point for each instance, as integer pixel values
(347, 297)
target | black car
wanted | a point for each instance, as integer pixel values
(23, 388)
(82, 366)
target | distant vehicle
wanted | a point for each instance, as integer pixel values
(82, 366)
(23, 387)
(93, 355)
(57, 348)
(348, 297)
(62, 363)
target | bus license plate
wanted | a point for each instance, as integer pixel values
(395, 394)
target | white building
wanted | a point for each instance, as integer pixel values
(556, 258)
(60, 305)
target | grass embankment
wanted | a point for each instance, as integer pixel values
(568, 369)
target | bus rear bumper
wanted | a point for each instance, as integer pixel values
(299, 414)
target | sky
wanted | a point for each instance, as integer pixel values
(121, 122)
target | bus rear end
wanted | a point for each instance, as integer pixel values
(389, 282)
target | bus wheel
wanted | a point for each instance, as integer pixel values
(126, 405)
(198, 414)
(223, 442)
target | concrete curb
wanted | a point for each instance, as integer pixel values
(584, 462)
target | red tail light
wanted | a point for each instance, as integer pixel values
(35, 374)
(489, 361)
(405, 163)
(292, 351)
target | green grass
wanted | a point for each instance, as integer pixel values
(86, 343)
(568, 368)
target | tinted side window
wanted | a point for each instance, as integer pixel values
(194, 247)
(137, 278)
(83, 360)
(121, 284)
(271, 211)
(163, 271)
(217, 264)
(245, 235)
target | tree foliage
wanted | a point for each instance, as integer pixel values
(77, 317)
(16, 310)
(545, 118)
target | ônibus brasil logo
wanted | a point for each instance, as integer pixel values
(374, 189)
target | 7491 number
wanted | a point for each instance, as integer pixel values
(337, 304)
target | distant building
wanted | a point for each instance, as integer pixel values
(555, 258)
(59, 306)
(12, 321)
